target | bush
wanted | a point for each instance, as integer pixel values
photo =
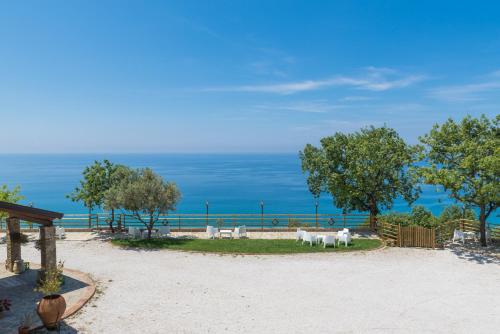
(419, 216)
(454, 212)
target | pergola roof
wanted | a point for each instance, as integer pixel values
(39, 216)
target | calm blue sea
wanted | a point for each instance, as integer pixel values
(231, 183)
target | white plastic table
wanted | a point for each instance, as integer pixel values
(228, 233)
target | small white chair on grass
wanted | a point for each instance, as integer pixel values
(240, 232)
(459, 235)
(163, 231)
(308, 237)
(345, 237)
(299, 234)
(212, 232)
(328, 240)
(60, 232)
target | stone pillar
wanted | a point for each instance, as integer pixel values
(13, 245)
(47, 250)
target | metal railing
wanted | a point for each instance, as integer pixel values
(200, 221)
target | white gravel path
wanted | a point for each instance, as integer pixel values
(386, 291)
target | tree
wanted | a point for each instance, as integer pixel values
(363, 171)
(454, 212)
(464, 158)
(147, 196)
(111, 200)
(11, 196)
(97, 179)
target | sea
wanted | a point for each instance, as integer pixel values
(230, 183)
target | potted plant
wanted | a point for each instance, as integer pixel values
(25, 324)
(51, 307)
(5, 305)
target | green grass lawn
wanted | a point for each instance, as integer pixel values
(244, 246)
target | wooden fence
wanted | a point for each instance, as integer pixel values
(419, 236)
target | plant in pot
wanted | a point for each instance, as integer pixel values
(51, 307)
(25, 323)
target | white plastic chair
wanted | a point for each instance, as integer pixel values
(345, 230)
(458, 235)
(308, 237)
(212, 232)
(328, 240)
(299, 234)
(134, 232)
(345, 237)
(240, 231)
(163, 231)
(60, 232)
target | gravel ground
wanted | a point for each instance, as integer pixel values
(391, 290)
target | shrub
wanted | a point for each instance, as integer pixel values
(454, 212)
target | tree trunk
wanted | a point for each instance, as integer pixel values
(111, 221)
(373, 215)
(482, 225)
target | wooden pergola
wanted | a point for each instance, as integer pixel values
(45, 219)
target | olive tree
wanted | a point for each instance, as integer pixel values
(146, 195)
(464, 158)
(364, 171)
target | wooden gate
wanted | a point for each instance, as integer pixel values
(408, 236)
(417, 236)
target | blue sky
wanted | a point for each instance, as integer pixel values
(238, 76)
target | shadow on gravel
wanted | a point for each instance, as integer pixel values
(474, 252)
(64, 328)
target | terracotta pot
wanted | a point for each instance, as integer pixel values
(23, 330)
(50, 310)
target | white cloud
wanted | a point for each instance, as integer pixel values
(375, 79)
(317, 106)
(465, 93)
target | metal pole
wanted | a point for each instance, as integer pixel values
(317, 225)
(262, 214)
(206, 214)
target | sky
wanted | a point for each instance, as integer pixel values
(238, 76)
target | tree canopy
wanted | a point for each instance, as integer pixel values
(363, 171)
(464, 158)
(97, 179)
(146, 195)
(11, 196)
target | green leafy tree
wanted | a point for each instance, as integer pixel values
(111, 201)
(97, 179)
(363, 171)
(11, 196)
(464, 158)
(147, 196)
(422, 217)
(455, 212)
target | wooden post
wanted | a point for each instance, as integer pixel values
(399, 235)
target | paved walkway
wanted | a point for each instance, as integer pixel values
(78, 288)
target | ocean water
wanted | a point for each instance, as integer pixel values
(231, 183)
